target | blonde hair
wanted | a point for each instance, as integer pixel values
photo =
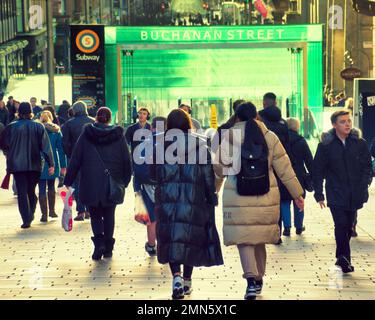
(46, 117)
(349, 104)
(293, 124)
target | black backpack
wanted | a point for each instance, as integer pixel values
(253, 178)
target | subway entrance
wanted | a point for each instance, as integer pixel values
(204, 66)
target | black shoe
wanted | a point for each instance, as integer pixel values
(258, 286)
(286, 232)
(279, 242)
(80, 217)
(344, 264)
(99, 247)
(25, 225)
(87, 215)
(109, 243)
(251, 292)
(300, 230)
(53, 215)
(151, 250)
(44, 218)
(177, 288)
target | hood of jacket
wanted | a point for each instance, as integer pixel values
(271, 114)
(101, 134)
(327, 137)
(51, 127)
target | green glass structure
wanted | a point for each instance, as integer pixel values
(159, 67)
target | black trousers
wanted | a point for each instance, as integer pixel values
(102, 221)
(26, 183)
(176, 268)
(343, 220)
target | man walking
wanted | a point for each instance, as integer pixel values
(271, 117)
(344, 161)
(24, 141)
(71, 130)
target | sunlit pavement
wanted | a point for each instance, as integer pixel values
(45, 262)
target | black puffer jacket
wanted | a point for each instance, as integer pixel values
(271, 117)
(300, 157)
(72, 129)
(185, 210)
(25, 142)
(346, 169)
(111, 145)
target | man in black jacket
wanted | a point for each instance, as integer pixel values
(344, 161)
(24, 141)
(271, 117)
(71, 130)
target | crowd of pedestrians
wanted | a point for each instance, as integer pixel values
(258, 160)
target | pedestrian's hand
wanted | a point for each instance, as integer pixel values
(63, 171)
(300, 203)
(322, 204)
(51, 171)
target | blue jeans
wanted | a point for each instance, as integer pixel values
(43, 186)
(80, 207)
(286, 215)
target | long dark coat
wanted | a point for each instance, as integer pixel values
(111, 145)
(185, 209)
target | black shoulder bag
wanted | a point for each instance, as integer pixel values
(116, 190)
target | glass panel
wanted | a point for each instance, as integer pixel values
(201, 77)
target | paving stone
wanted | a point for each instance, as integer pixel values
(45, 262)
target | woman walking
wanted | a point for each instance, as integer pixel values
(251, 221)
(302, 159)
(47, 181)
(185, 205)
(102, 157)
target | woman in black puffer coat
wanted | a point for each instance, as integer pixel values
(101, 146)
(185, 205)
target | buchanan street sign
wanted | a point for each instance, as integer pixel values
(295, 33)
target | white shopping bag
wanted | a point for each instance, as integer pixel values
(67, 197)
(140, 211)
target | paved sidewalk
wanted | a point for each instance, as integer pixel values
(45, 262)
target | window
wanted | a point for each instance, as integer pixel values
(295, 6)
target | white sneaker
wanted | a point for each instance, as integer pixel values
(187, 287)
(177, 288)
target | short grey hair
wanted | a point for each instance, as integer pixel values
(293, 124)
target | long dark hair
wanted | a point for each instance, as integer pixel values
(253, 133)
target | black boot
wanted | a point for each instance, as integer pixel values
(109, 243)
(99, 247)
(43, 208)
(286, 232)
(51, 203)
